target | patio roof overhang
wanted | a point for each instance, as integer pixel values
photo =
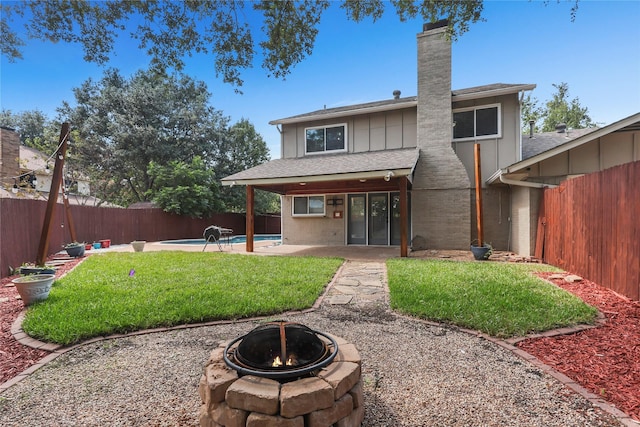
(335, 173)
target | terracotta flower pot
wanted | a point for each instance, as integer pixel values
(34, 288)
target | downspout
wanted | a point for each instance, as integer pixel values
(521, 184)
(281, 141)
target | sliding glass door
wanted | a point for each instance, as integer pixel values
(357, 221)
(374, 219)
(378, 218)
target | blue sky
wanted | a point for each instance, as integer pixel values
(598, 55)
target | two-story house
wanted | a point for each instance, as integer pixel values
(397, 171)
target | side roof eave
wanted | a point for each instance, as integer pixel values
(500, 91)
(599, 133)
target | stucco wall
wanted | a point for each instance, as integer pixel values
(324, 230)
(524, 219)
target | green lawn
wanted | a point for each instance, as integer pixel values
(499, 299)
(100, 297)
(124, 292)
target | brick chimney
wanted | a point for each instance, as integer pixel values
(441, 204)
(9, 156)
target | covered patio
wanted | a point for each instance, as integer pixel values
(334, 177)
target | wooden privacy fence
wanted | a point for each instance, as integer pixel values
(21, 226)
(592, 228)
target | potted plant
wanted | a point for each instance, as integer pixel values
(26, 269)
(34, 287)
(74, 249)
(138, 245)
(483, 252)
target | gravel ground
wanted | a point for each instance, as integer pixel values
(414, 375)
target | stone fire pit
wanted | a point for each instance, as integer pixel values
(333, 396)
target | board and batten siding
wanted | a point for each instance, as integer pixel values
(495, 153)
(611, 150)
(365, 132)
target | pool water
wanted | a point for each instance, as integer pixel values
(232, 239)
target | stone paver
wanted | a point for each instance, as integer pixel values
(360, 283)
(340, 299)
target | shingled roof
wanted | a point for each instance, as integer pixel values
(476, 92)
(541, 142)
(328, 166)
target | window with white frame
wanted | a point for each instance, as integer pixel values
(326, 138)
(477, 122)
(308, 205)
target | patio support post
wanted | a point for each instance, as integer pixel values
(403, 217)
(250, 218)
(478, 176)
(56, 180)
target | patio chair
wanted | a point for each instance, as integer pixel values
(213, 233)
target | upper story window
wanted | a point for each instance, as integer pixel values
(477, 122)
(326, 138)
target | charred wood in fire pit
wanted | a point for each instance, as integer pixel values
(280, 350)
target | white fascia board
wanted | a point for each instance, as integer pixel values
(319, 178)
(599, 133)
(345, 113)
(491, 93)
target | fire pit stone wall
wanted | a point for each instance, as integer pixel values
(331, 398)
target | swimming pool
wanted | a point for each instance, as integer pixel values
(232, 239)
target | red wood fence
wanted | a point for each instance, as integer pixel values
(592, 228)
(21, 226)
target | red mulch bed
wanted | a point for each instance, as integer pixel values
(15, 357)
(604, 360)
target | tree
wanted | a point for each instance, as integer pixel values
(557, 110)
(171, 30)
(241, 149)
(184, 188)
(125, 124)
(560, 110)
(36, 130)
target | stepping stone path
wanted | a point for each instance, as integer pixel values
(360, 282)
